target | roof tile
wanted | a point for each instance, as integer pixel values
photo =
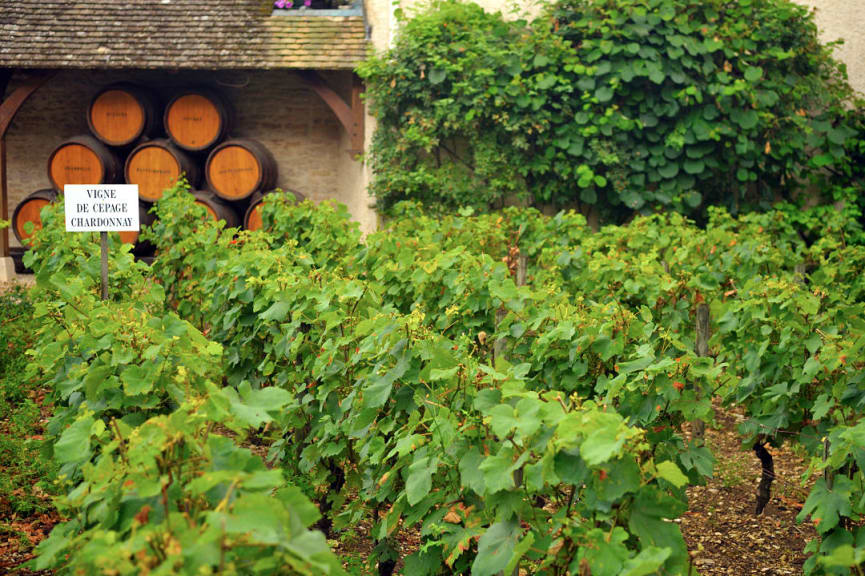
(174, 34)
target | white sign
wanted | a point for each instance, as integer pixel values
(101, 207)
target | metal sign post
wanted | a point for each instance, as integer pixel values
(102, 208)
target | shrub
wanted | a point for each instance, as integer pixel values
(627, 105)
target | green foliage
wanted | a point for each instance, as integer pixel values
(69, 263)
(627, 105)
(26, 475)
(387, 402)
(137, 392)
(436, 98)
(325, 231)
(419, 380)
(171, 497)
(731, 99)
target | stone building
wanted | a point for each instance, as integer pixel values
(288, 74)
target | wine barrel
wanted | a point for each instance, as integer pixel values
(217, 208)
(83, 160)
(28, 211)
(17, 255)
(131, 237)
(197, 120)
(252, 219)
(156, 165)
(238, 168)
(122, 113)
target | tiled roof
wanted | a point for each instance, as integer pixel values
(176, 34)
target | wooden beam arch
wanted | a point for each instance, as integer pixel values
(349, 114)
(9, 107)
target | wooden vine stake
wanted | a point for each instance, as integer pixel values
(517, 263)
(701, 348)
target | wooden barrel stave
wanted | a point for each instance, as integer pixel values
(238, 168)
(83, 160)
(156, 165)
(196, 120)
(28, 210)
(122, 113)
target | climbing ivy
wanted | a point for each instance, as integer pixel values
(627, 105)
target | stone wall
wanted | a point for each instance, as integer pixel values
(274, 107)
(844, 20)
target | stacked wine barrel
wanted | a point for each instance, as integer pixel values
(133, 140)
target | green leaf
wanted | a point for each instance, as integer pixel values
(419, 481)
(278, 311)
(694, 166)
(693, 198)
(252, 407)
(588, 195)
(376, 394)
(547, 82)
(49, 549)
(214, 348)
(495, 548)
(747, 119)
(136, 380)
(648, 521)
(297, 502)
(671, 473)
(437, 75)
(502, 420)
(73, 446)
(498, 470)
(698, 458)
(839, 135)
(827, 506)
(439, 374)
(667, 11)
(843, 556)
(669, 170)
(471, 474)
(519, 551)
(605, 553)
(601, 445)
(753, 73)
(604, 94)
(636, 365)
(648, 561)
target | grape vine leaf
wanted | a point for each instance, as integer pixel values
(495, 548)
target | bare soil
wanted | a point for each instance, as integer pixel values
(723, 533)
